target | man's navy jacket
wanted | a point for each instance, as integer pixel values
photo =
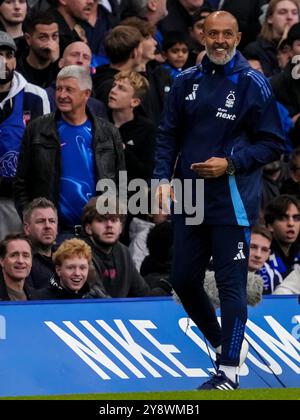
(221, 111)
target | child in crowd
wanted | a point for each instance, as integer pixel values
(175, 52)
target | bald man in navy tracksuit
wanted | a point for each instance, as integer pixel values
(222, 123)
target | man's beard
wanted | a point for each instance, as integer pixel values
(221, 61)
(43, 55)
(102, 245)
(8, 76)
(40, 247)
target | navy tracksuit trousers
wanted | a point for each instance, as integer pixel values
(229, 247)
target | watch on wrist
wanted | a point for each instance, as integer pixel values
(230, 168)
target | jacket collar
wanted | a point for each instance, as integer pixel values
(50, 120)
(237, 63)
(55, 285)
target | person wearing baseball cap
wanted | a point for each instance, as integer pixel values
(7, 41)
(19, 102)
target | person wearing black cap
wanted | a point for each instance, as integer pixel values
(19, 102)
(286, 85)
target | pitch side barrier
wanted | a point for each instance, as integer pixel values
(133, 345)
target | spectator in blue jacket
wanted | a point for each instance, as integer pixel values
(20, 102)
(221, 125)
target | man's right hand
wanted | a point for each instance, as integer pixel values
(164, 195)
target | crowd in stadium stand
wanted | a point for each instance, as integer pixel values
(83, 85)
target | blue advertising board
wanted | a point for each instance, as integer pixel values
(133, 345)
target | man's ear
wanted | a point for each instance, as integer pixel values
(88, 93)
(58, 270)
(27, 37)
(60, 63)
(238, 38)
(88, 229)
(202, 39)
(121, 228)
(134, 53)
(152, 5)
(26, 228)
(135, 102)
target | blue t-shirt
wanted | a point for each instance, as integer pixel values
(78, 178)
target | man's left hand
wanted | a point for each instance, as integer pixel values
(212, 168)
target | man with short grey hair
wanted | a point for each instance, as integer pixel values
(66, 153)
(78, 53)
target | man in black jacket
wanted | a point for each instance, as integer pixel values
(64, 155)
(20, 102)
(115, 271)
(40, 226)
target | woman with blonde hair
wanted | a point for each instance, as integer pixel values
(281, 15)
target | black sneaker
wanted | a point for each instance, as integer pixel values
(219, 381)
